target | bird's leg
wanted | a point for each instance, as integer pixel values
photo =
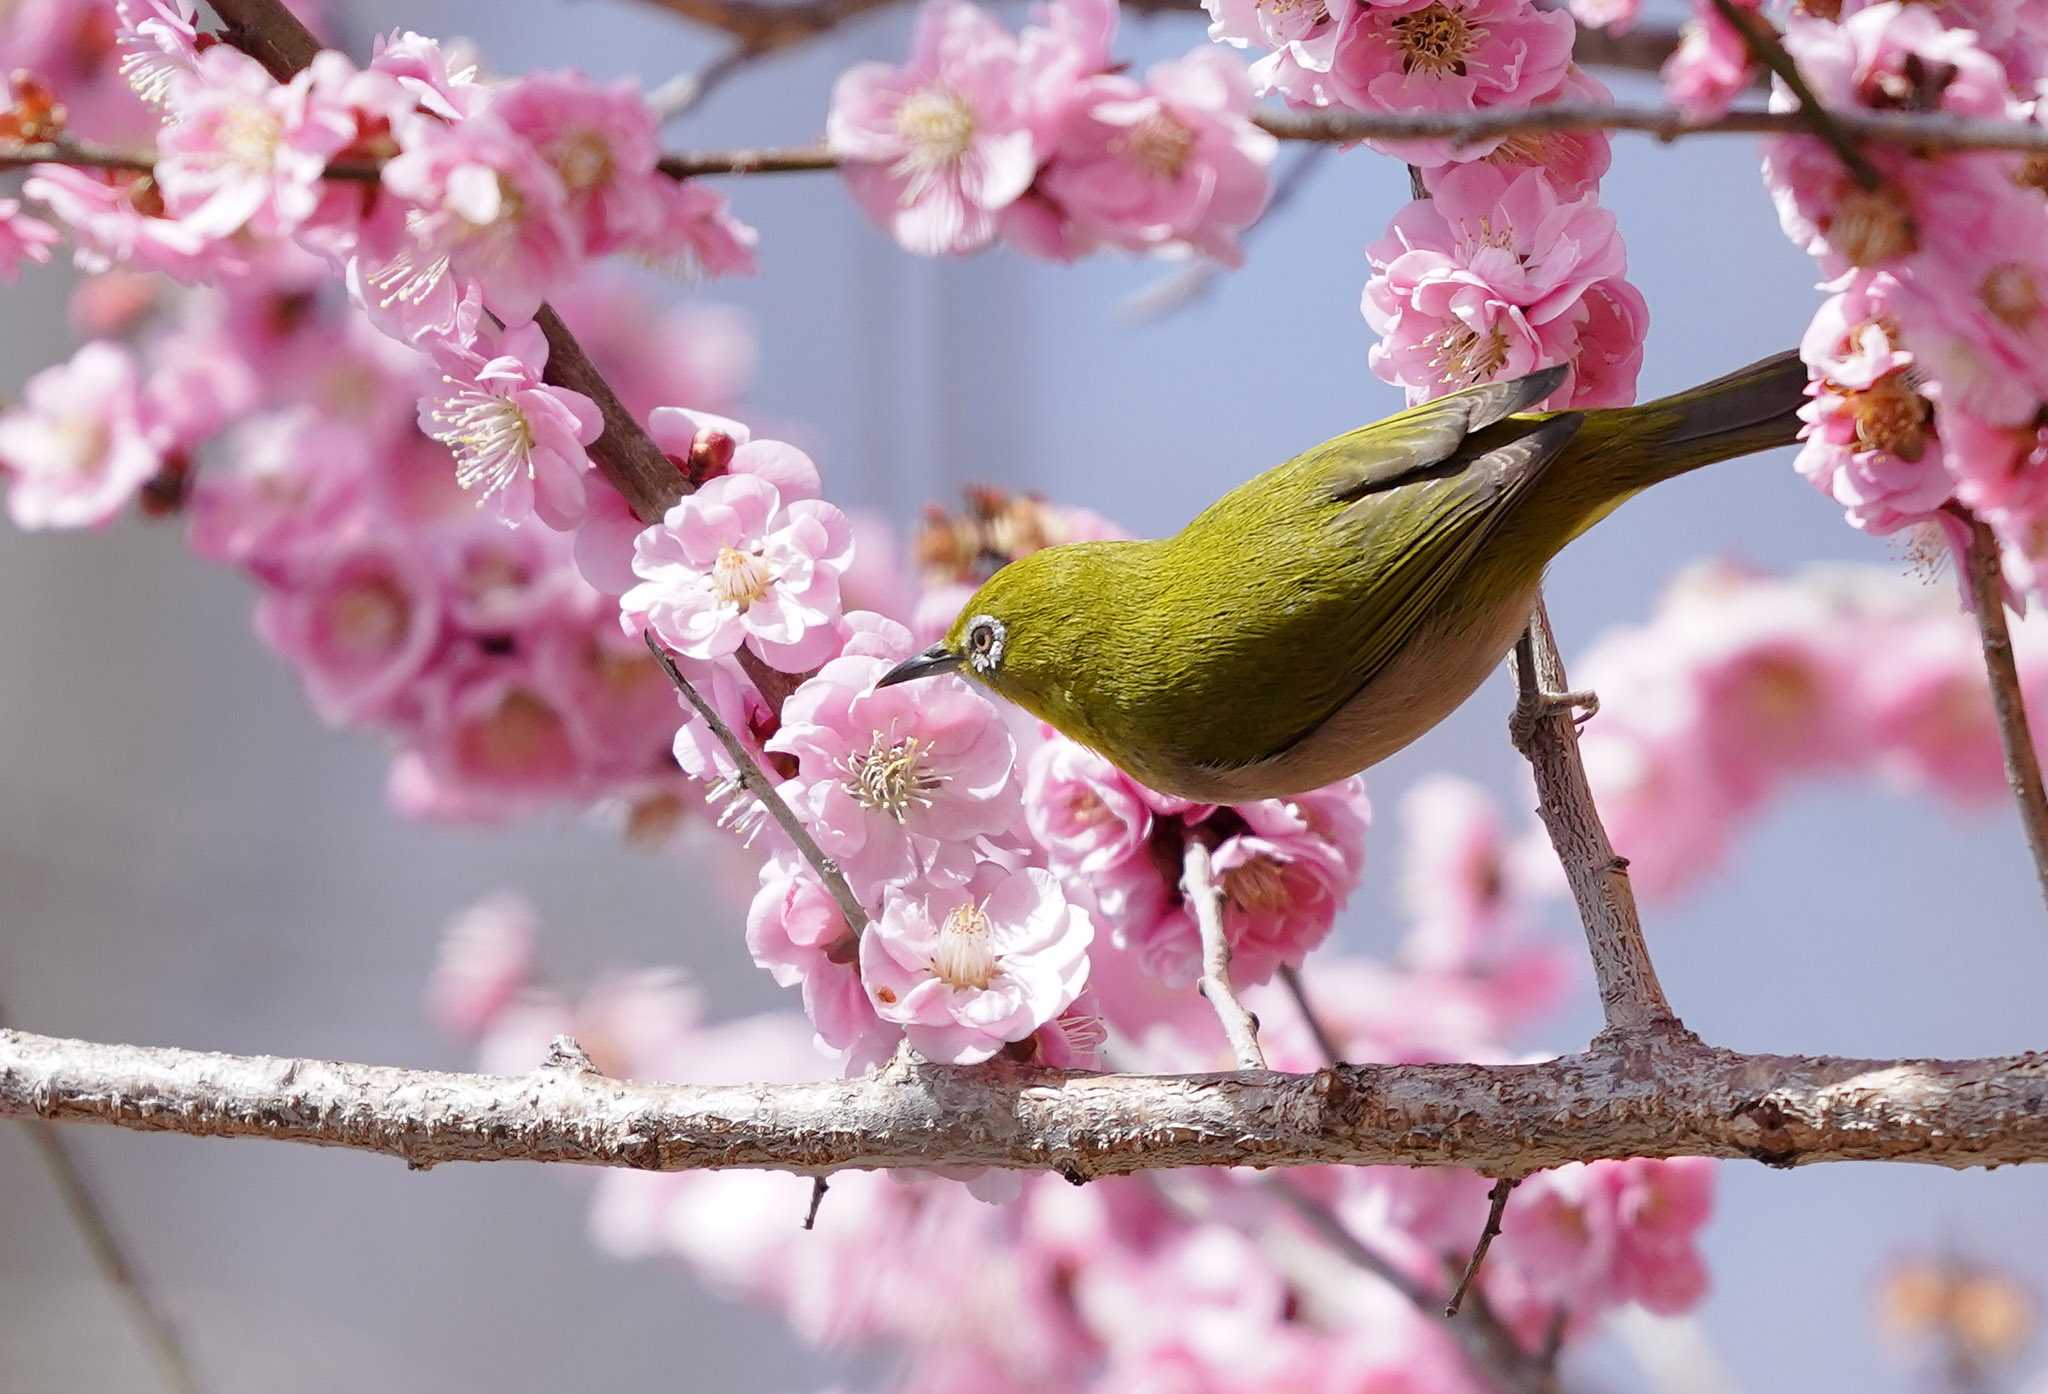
(1532, 707)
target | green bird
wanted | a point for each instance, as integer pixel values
(1320, 617)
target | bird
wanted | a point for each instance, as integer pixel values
(1328, 612)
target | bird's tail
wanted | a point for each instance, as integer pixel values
(1751, 409)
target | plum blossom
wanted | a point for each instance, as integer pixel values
(967, 971)
(117, 219)
(518, 441)
(359, 624)
(695, 234)
(602, 142)
(159, 42)
(242, 151)
(486, 960)
(1448, 56)
(897, 783)
(934, 149)
(1896, 57)
(488, 212)
(1488, 280)
(80, 443)
(1711, 65)
(796, 931)
(1174, 162)
(22, 238)
(733, 564)
(1574, 161)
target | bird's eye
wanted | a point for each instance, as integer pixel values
(985, 636)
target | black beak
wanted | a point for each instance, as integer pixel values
(936, 659)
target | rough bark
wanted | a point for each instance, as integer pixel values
(1658, 1093)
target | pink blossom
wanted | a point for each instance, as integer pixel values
(486, 959)
(159, 42)
(1661, 1205)
(1975, 312)
(1086, 813)
(243, 152)
(440, 80)
(1869, 441)
(1893, 56)
(602, 142)
(1067, 42)
(796, 931)
(80, 443)
(704, 446)
(694, 233)
(497, 739)
(733, 564)
(1610, 350)
(1711, 65)
(689, 351)
(1173, 163)
(1459, 879)
(1617, 16)
(22, 238)
(358, 623)
(966, 972)
(1573, 161)
(1487, 280)
(518, 441)
(1447, 55)
(635, 1025)
(487, 211)
(112, 303)
(118, 220)
(934, 149)
(1271, 23)
(897, 783)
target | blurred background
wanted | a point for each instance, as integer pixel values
(188, 857)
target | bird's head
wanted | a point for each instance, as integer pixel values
(1018, 635)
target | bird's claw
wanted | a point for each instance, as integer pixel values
(1530, 709)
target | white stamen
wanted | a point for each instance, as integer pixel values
(964, 957)
(887, 778)
(740, 578)
(489, 435)
(938, 128)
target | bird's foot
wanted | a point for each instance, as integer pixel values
(1530, 709)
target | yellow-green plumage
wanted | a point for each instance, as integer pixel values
(1319, 617)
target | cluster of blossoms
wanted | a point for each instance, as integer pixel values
(1742, 682)
(1042, 140)
(1113, 1285)
(451, 207)
(1930, 357)
(1509, 264)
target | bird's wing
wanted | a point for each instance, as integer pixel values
(1426, 440)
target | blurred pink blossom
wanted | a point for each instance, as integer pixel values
(486, 960)
(80, 443)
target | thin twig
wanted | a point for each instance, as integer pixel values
(1630, 994)
(89, 1217)
(687, 92)
(1240, 1027)
(1496, 1202)
(819, 1185)
(1764, 45)
(1290, 978)
(2008, 701)
(754, 780)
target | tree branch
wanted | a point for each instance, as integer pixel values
(1764, 45)
(2022, 765)
(1546, 733)
(1644, 1094)
(1240, 1027)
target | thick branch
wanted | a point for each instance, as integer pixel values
(1646, 1094)
(2022, 765)
(1548, 735)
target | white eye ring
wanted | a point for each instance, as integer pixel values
(985, 639)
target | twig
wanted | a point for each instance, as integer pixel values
(819, 1185)
(90, 1219)
(1630, 994)
(1496, 1202)
(1240, 1027)
(83, 155)
(754, 780)
(800, 159)
(687, 92)
(1290, 978)
(2022, 766)
(1651, 1094)
(1764, 45)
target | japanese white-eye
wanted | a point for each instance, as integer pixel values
(1321, 616)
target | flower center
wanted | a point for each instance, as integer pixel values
(1461, 356)
(964, 957)
(1892, 417)
(520, 735)
(584, 160)
(888, 779)
(1258, 886)
(367, 619)
(82, 441)
(489, 437)
(1159, 145)
(1435, 40)
(2033, 174)
(249, 137)
(2011, 293)
(739, 578)
(936, 125)
(1870, 228)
